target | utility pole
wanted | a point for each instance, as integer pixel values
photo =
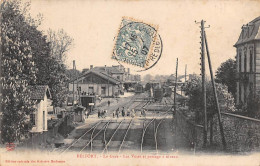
(203, 83)
(215, 95)
(175, 88)
(73, 68)
(185, 73)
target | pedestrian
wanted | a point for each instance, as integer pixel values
(108, 102)
(117, 112)
(128, 112)
(133, 113)
(144, 113)
(123, 112)
(113, 114)
(98, 113)
(105, 113)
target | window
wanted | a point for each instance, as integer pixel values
(251, 60)
(32, 119)
(90, 90)
(103, 90)
(240, 93)
(245, 61)
(245, 93)
(240, 59)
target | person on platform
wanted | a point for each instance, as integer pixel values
(123, 112)
(108, 102)
(99, 114)
(117, 112)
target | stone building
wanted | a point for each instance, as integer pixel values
(248, 62)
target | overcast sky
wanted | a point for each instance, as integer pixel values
(94, 24)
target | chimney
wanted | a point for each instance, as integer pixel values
(91, 67)
(105, 68)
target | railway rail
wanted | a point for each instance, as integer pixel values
(155, 130)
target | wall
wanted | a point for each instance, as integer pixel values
(241, 133)
(257, 53)
(97, 88)
(191, 132)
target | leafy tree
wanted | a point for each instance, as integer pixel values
(60, 43)
(226, 74)
(17, 72)
(193, 89)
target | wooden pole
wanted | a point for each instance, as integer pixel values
(203, 84)
(73, 84)
(175, 88)
(216, 96)
(185, 73)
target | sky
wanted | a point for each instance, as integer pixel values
(94, 24)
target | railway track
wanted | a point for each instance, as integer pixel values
(155, 130)
(76, 140)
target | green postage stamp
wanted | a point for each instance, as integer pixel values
(137, 43)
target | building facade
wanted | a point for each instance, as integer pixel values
(94, 82)
(41, 94)
(248, 62)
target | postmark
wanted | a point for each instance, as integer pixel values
(137, 43)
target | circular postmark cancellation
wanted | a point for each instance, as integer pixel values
(137, 44)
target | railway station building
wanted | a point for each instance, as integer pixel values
(93, 82)
(248, 62)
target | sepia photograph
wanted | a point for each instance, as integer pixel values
(130, 82)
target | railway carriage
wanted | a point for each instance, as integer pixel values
(139, 88)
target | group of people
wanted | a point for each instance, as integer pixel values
(102, 113)
(124, 112)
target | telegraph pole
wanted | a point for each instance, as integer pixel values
(185, 73)
(73, 83)
(175, 89)
(215, 96)
(203, 82)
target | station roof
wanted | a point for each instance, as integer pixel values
(100, 74)
(250, 32)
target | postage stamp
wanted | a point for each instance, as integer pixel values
(137, 43)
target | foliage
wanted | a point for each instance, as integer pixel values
(60, 43)
(226, 74)
(17, 72)
(253, 106)
(193, 89)
(27, 58)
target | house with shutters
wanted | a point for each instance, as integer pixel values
(248, 62)
(41, 94)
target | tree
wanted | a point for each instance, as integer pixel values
(193, 89)
(60, 43)
(226, 74)
(17, 72)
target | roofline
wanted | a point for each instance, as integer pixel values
(252, 40)
(96, 72)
